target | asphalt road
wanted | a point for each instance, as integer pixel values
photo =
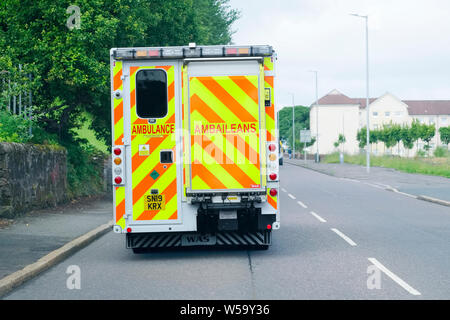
(339, 239)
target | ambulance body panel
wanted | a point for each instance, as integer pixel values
(194, 145)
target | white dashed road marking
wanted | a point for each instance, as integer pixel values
(302, 204)
(343, 236)
(318, 217)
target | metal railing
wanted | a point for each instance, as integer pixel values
(16, 100)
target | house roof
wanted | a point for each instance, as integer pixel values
(415, 107)
(335, 97)
(362, 101)
(425, 107)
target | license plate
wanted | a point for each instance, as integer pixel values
(227, 215)
(198, 240)
(154, 202)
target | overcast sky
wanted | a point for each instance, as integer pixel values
(409, 46)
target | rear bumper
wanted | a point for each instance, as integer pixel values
(221, 239)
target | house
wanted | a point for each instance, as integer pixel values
(339, 114)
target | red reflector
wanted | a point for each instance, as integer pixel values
(273, 176)
(117, 151)
(273, 192)
(269, 226)
(118, 180)
(272, 147)
(128, 230)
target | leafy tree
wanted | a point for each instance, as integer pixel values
(445, 135)
(427, 133)
(72, 66)
(396, 135)
(340, 141)
(285, 124)
(387, 136)
(416, 129)
(407, 138)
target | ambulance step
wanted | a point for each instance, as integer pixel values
(168, 240)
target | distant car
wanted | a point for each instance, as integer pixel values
(280, 157)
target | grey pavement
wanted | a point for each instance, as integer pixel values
(36, 234)
(308, 259)
(415, 184)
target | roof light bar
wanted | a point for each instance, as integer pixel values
(172, 52)
(191, 52)
(237, 51)
(212, 51)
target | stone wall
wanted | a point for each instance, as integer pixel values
(31, 177)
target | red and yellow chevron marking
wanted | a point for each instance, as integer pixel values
(273, 201)
(118, 104)
(185, 125)
(270, 111)
(159, 136)
(119, 192)
(224, 127)
(120, 206)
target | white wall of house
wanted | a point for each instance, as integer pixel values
(387, 110)
(439, 121)
(335, 120)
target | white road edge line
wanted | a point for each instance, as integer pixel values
(348, 179)
(283, 189)
(302, 204)
(343, 236)
(291, 196)
(318, 217)
(394, 277)
(374, 185)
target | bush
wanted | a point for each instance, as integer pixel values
(84, 162)
(440, 152)
(84, 169)
(13, 128)
(421, 153)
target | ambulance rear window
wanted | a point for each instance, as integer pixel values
(151, 93)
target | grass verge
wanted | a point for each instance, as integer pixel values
(431, 166)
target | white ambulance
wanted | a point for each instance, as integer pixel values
(194, 146)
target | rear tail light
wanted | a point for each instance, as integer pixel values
(272, 147)
(118, 167)
(151, 53)
(273, 192)
(269, 226)
(237, 51)
(273, 176)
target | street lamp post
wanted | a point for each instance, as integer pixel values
(293, 127)
(317, 118)
(367, 91)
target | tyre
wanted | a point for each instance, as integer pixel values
(281, 161)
